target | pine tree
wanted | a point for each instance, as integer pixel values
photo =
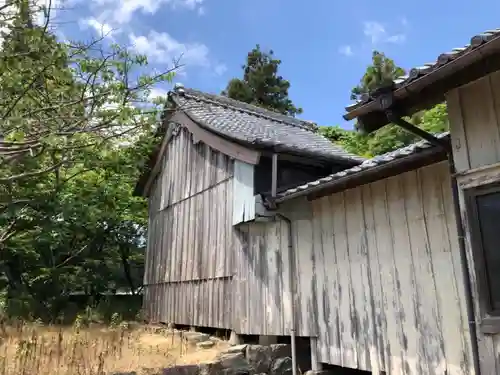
(261, 85)
(382, 72)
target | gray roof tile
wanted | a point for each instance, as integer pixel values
(441, 60)
(256, 126)
(365, 166)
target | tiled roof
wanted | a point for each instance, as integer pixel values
(367, 165)
(255, 126)
(442, 60)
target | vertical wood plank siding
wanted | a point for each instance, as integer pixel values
(474, 112)
(188, 276)
(388, 277)
(262, 280)
(377, 273)
(376, 270)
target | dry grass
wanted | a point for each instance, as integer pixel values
(32, 349)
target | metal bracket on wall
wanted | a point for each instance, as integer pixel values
(385, 101)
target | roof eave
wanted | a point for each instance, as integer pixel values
(415, 87)
(327, 158)
(421, 159)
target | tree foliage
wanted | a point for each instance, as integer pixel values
(261, 85)
(86, 236)
(380, 73)
(76, 120)
(390, 137)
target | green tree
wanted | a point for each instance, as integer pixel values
(87, 236)
(382, 72)
(351, 141)
(390, 137)
(261, 85)
(58, 99)
(76, 121)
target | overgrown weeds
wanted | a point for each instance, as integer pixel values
(27, 349)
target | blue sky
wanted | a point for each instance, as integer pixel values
(325, 45)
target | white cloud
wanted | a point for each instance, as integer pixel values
(45, 9)
(190, 4)
(162, 48)
(377, 33)
(42, 10)
(220, 69)
(102, 28)
(111, 16)
(346, 50)
(397, 38)
(157, 93)
(121, 11)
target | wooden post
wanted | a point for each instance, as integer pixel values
(235, 339)
(315, 364)
(274, 182)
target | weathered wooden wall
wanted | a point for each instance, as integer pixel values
(388, 277)
(189, 269)
(262, 280)
(376, 269)
(377, 277)
(474, 112)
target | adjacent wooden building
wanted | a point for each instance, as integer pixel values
(388, 265)
(215, 156)
(468, 79)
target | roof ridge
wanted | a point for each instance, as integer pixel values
(243, 107)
